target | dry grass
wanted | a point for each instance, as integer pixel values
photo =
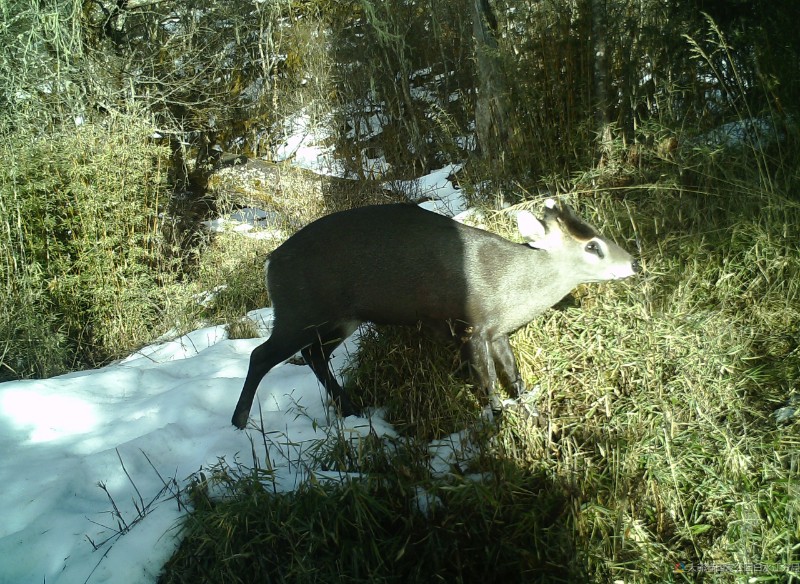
(656, 457)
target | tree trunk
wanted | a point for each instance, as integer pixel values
(602, 118)
(491, 107)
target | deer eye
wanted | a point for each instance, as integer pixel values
(593, 248)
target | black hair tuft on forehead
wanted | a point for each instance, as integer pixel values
(578, 228)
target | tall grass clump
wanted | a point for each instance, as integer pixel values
(657, 454)
(82, 251)
(403, 100)
(388, 525)
(660, 392)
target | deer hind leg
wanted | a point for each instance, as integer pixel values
(282, 344)
(317, 356)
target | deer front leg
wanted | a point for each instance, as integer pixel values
(506, 365)
(479, 354)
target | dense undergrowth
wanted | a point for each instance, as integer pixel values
(657, 455)
(666, 446)
(85, 261)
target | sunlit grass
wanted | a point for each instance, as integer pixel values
(656, 446)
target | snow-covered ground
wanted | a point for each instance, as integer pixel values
(92, 461)
(131, 427)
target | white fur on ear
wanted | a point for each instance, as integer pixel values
(530, 228)
(550, 203)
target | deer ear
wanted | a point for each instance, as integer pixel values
(530, 228)
(552, 209)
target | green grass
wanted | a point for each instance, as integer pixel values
(83, 258)
(380, 529)
(656, 446)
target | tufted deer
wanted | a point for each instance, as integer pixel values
(400, 264)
